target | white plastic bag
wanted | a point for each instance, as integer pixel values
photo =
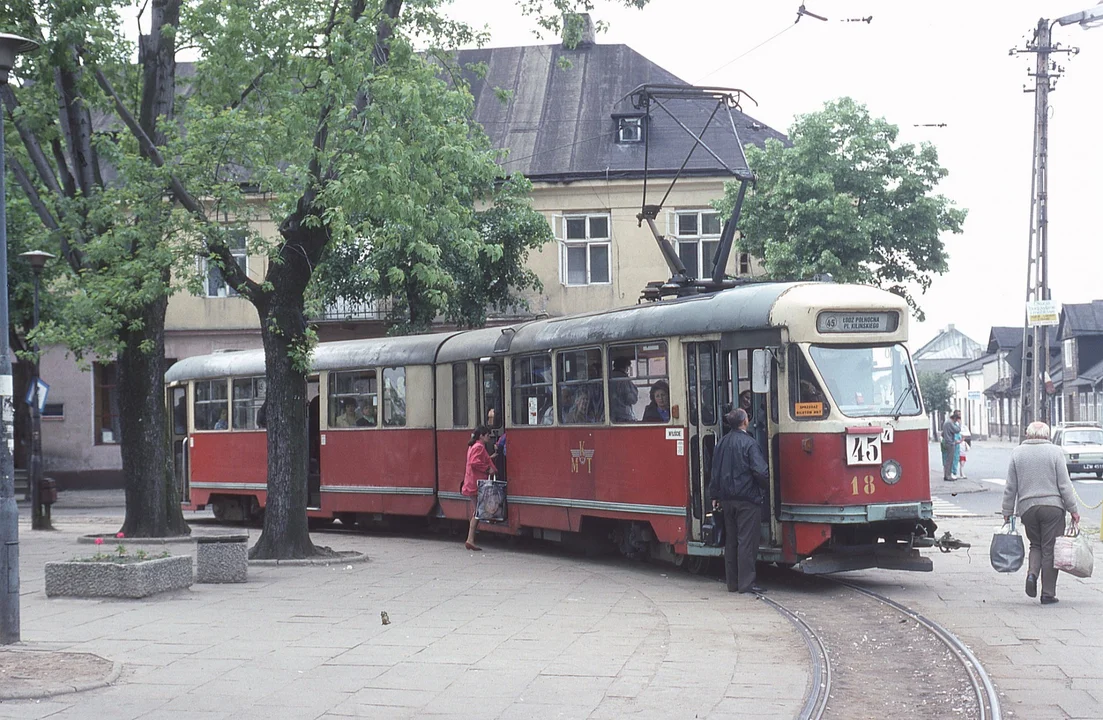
(1072, 552)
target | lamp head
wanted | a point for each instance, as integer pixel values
(10, 46)
(37, 259)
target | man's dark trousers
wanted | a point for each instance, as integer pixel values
(741, 534)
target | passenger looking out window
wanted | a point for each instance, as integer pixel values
(580, 387)
(210, 404)
(353, 399)
(658, 410)
(637, 371)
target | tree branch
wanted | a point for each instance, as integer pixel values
(71, 256)
(78, 129)
(232, 273)
(30, 142)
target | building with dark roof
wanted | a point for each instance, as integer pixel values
(1080, 336)
(572, 127)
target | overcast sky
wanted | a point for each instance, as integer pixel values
(934, 61)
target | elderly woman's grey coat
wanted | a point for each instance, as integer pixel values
(1038, 475)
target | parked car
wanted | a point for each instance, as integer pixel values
(1083, 446)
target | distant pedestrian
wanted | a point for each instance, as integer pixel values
(739, 480)
(1039, 492)
(950, 430)
(480, 465)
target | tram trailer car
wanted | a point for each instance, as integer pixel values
(610, 420)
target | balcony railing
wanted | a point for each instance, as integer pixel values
(346, 309)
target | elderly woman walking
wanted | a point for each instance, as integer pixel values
(1038, 483)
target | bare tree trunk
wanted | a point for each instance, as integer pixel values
(283, 330)
(152, 499)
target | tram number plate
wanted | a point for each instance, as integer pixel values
(863, 449)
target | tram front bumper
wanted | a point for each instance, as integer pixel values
(848, 514)
(862, 558)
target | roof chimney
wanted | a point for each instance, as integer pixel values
(578, 31)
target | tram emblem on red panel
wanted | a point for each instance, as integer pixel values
(582, 455)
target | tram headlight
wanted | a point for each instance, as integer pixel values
(891, 472)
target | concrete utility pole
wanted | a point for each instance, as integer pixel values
(1033, 403)
(10, 47)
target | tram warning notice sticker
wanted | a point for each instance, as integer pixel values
(808, 409)
(675, 434)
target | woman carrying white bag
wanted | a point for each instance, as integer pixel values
(1039, 492)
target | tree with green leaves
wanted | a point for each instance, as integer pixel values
(937, 391)
(446, 276)
(355, 140)
(99, 206)
(845, 198)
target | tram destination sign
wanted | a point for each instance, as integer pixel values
(856, 322)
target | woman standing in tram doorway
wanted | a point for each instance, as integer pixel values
(480, 464)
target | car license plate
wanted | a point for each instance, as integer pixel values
(1092, 467)
(863, 449)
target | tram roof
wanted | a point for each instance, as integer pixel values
(749, 307)
(405, 350)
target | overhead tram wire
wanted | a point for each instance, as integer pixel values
(744, 54)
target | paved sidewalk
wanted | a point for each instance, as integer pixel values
(1045, 661)
(506, 633)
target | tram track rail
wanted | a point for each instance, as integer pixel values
(827, 699)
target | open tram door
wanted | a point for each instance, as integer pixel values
(749, 370)
(177, 399)
(705, 425)
(491, 397)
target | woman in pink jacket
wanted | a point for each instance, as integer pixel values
(480, 464)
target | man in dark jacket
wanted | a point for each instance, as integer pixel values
(739, 480)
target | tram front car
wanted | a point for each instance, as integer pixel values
(850, 448)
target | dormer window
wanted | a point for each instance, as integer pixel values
(629, 128)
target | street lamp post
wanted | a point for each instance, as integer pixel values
(10, 47)
(40, 517)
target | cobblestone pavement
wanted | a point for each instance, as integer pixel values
(506, 633)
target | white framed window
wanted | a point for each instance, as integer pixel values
(584, 249)
(1069, 347)
(214, 285)
(629, 129)
(697, 233)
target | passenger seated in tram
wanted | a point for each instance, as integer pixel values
(223, 422)
(658, 410)
(368, 418)
(580, 412)
(349, 417)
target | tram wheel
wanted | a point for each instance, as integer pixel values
(698, 564)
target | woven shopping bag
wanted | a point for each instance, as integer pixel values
(1007, 551)
(1072, 552)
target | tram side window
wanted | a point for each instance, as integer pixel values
(394, 396)
(532, 390)
(807, 400)
(646, 367)
(249, 394)
(353, 399)
(492, 395)
(212, 410)
(460, 415)
(581, 396)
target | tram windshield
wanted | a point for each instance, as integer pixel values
(868, 380)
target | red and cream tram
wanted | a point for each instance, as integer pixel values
(592, 448)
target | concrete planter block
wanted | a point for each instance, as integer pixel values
(221, 558)
(126, 580)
